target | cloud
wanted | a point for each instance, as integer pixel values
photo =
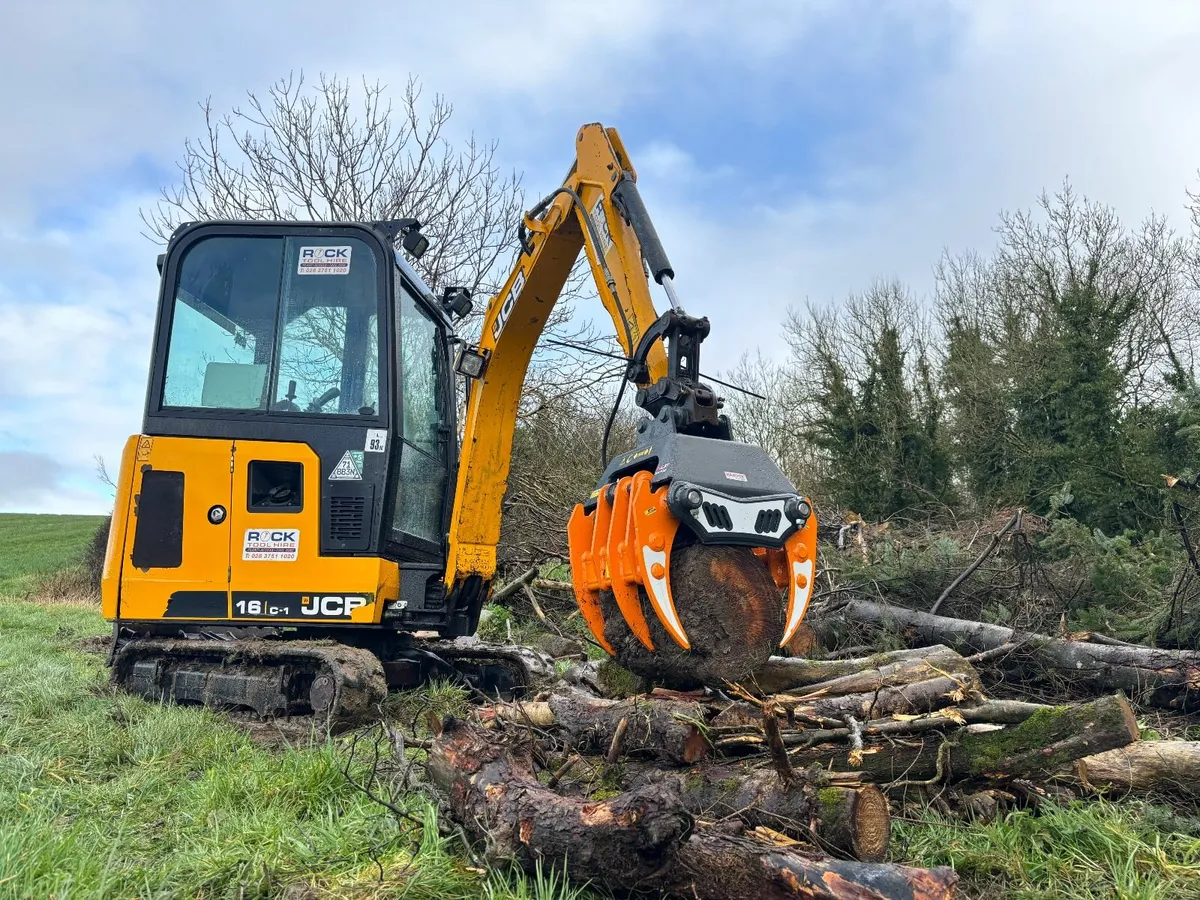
(37, 481)
(1031, 93)
(789, 151)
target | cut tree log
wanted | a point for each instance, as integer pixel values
(1169, 767)
(640, 840)
(714, 865)
(665, 729)
(1047, 741)
(492, 792)
(728, 604)
(1165, 678)
(837, 812)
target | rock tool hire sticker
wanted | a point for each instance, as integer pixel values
(281, 545)
(324, 261)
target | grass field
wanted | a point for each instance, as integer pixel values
(106, 795)
(39, 545)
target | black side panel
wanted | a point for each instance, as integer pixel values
(197, 605)
(158, 537)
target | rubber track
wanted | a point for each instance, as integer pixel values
(360, 685)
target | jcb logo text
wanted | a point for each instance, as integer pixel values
(330, 606)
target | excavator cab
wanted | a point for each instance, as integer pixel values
(293, 471)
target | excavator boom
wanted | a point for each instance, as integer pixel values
(686, 489)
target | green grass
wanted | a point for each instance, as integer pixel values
(1129, 850)
(106, 795)
(33, 546)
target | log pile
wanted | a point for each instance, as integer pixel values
(776, 787)
(784, 784)
(1166, 679)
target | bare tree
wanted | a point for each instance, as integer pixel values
(772, 416)
(330, 151)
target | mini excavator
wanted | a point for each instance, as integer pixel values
(298, 528)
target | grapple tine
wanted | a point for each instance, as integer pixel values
(601, 519)
(801, 549)
(583, 575)
(654, 532)
(622, 564)
(777, 565)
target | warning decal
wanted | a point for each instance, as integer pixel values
(324, 261)
(349, 467)
(281, 545)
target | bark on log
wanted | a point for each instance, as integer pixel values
(640, 839)
(907, 699)
(782, 674)
(1050, 739)
(1165, 678)
(665, 729)
(1145, 767)
(737, 727)
(1000, 712)
(714, 865)
(850, 819)
(493, 793)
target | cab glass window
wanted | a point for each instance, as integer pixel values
(223, 324)
(422, 448)
(281, 324)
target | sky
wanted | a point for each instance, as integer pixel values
(790, 152)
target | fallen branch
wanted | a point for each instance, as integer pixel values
(513, 586)
(847, 676)
(979, 560)
(1166, 678)
(546, 584)
(779, 757)
(1038, 747)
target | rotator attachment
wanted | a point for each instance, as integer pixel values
(624, 542)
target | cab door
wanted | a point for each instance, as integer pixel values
(176, 563)
(422, 453)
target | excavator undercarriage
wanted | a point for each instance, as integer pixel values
(339, 685)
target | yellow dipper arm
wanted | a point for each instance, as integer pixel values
(580, 214)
